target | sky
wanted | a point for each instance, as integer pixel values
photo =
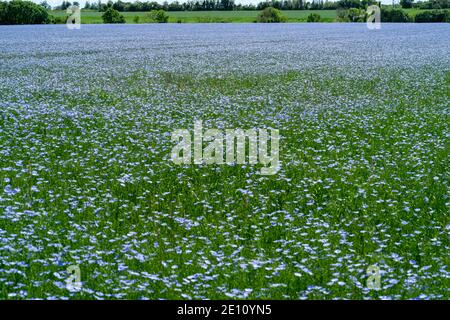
(82, 2)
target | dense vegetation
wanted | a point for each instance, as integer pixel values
(112, 16)
(433, 16)
(226, 5)
(208, 5)
(313, 17)
(269, 15)
(434, 4)
(22, 12)
(394, 15)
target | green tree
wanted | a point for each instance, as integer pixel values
(356, 15)
(65, 5)
(3, 8)
(346, 4)
(159, 16)
(22, 12)
(313, 17)
(270, 14)
(351, 15)
(112, 16)
(406, 4)
(394, 15)
(44, 4)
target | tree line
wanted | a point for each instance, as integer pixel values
(228, 5)
(203, 5)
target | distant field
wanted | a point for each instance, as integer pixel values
(205, 16)
(92, 17)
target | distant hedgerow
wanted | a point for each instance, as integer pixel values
(394, 15)
(433, 16)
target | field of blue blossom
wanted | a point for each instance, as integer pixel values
(86, 178)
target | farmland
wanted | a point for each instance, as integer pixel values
(204, 16)
(86, 178)
(95, 17)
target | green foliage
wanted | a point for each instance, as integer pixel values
(433, 16)
(44, 4)
(22, 12)
(58, 20)
(271, 15)
(159, 16)
(433, 4)
(112, 16)
(406, 4)
(313, 17)
(212, 5)
(3, 6)
(136, 19)
(394, 15)
(351, 15)
(65, 5)
(346, 4)
(356, 15)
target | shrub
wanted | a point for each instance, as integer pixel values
(22, 12)
(136, 19)
(356, 15)
(394, 15)
(159, 16)
(433, 16)
(270, 15)
(58, 20)
(351, 15)
(313, 17)
(342, 16)
(112, 16)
